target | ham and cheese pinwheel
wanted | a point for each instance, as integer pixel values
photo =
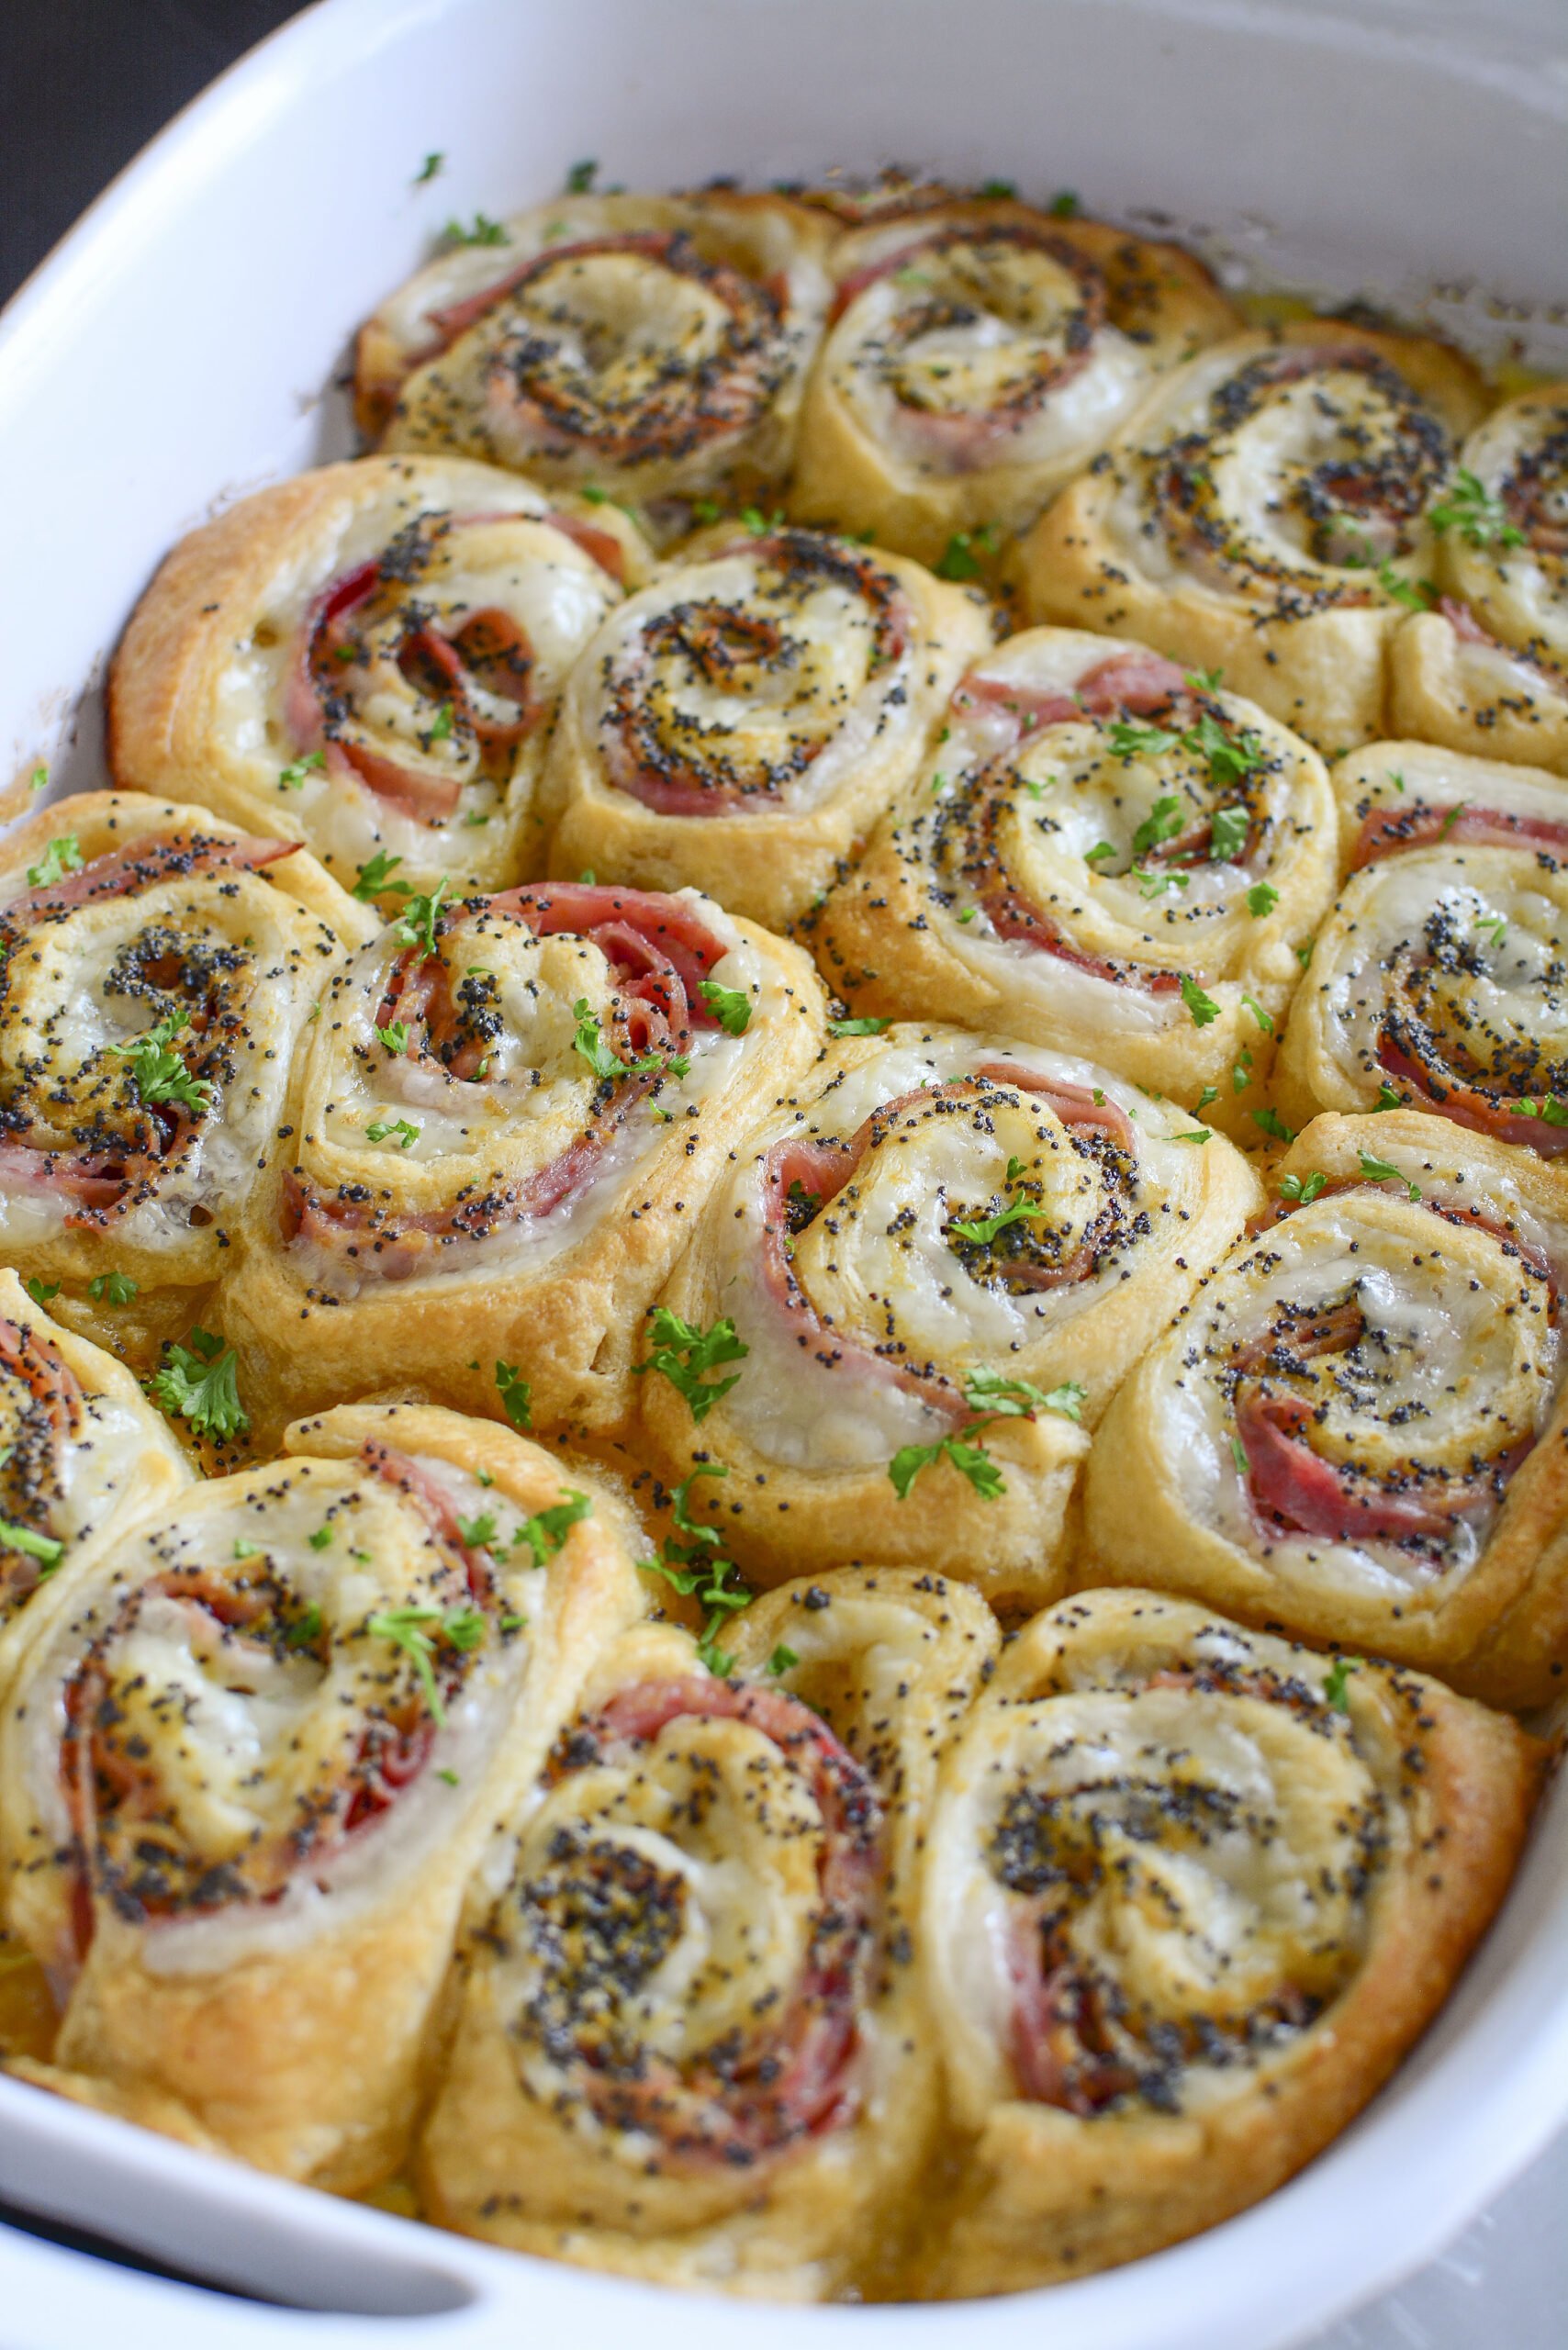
(1436, 979)
(652, 346)
(368, 659)
(1267, 514)
(1191, 1893)
(158, 967)
(741, 724)
(691, 2045)
(499, 1132)
(1487, 671)
(81, 1452)
(255, 1752)
(979, 354)
(1105, 855)
(1355, 1432)
(937, 1263)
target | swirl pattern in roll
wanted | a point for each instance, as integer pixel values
(1104, 855)
(80, 1451)
(368, 658)
(1436, 979)
(1356, 1430)
(1268, 515)
(742, 722)
(650, 346)
(939, 1260)
(1487, 672)
(978, 356)
(690, 2042)
(158, 968)
(1191, 1894)
(500, 1130)
(255, 1751)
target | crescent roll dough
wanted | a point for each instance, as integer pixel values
(368, 659)
(1487, 672)
(255, 1751)
(692, 2045)
(1436, 979)
(1355, 1431)
(81, 1452)
(936, 1261)
(158, 968)
(741, 723)
(1104, 855)
(978, 356)
(499, 1134)
(1191, 1893)
(1266, 516)
(651, 346)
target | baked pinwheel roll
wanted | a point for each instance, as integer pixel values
(934, 1265)
(977, 356)
(1191, 1894)
(1105, 855)
(1436, 979)
(156, 966)
(1268, 515)
(691, 2045)
(254, 1753)
(80, 1451)
(650, 346)
(368, 659)
(1355, 1431)
(740, 725)
(1488, 670)
(499, 1134)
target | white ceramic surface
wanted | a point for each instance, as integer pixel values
(181, 346)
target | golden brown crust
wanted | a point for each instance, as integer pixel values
(888, 1661)
(1475, 698)
(203, 700)
(302, 2048)
(1162, 304)
(770, 864)
(1496, 1625)
(570, 1320)
(1314, 657)
(1043, 2194)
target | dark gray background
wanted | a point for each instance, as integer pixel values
(83, 84)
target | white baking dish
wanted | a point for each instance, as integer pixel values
(181, 348)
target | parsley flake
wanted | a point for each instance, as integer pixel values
(516, 1395)
(684, 1354)
(61, 857)
(731, 1007)
(200, 1383)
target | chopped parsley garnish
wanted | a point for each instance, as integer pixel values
(1101, 850)
(1388, 1097)
(990, 1396)
(428, 168)
(1230, 758)
(782, 1660)
(1129, 741)
(696, 1570)
(608, 1066)
(1239, 1454)
(984, 1230)
(374, 879)
(1261, 899)
(1304, 1189)
(416, 923)
(321, 1540)
(201, 1383)
(415, 1630)
(1263, 1019)
(1472, 510)
(1066, 205)
(1210, 1093)
(1228, 834)
(42, 1546)
(1381, 1170)
(111, 1289)
(581, 177)
(1201, 1007)
(482, 230)
(547, 1529)
(477, 1533)
(958, 560)
(1336, 1682)
(394, 1038)
(516, 1395)
(61, 857)
(1416, 595)
(1270, 1122)
(441, 724)
(1200, 1135)
(43, 1293)
(731, 1007)
(684, 1354)
(867, 1025)
(402, 1131)
(159, 1075)
(292, 777)
(38, 780)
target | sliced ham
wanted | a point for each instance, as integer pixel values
(123, 872)
(1467, 1105)
(1301, 1492)
(1385, 830)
